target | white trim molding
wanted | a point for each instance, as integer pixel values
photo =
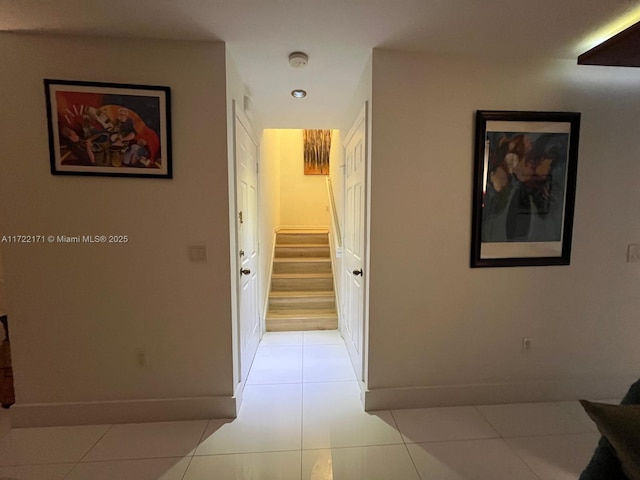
(123, 411)
(496, 393)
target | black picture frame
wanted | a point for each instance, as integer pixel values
(109, 129)
(524, 185)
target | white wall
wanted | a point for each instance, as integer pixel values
(303, 197)
(441, 332)
(269, 206)
(81, 313)
(336, 174)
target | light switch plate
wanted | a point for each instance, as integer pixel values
(198, 253)
(633, 253)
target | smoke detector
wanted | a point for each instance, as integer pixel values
(298, 59)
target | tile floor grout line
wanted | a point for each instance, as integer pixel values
(549, 435)
(521, 459)
(396, 444)
(250, 452)
(354, 380)
(406, 445)
(524, 435)
(8, 414)
(484, 417)
(352, 447)
(96, 442)
(110, 460)
(48, 464)
(456, 440)
(272, 384)
(393, 417)
(184, 474)
(87, 452)
(192, 456)
(413, 462)
(66, 475)
(504, 440)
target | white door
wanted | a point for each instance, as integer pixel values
(247, 222)
(354, 242)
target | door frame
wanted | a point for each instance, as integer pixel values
(238, 384)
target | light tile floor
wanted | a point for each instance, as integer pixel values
(301, 419)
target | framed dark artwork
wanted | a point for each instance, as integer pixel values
(524, 188)
(317, 150)
(108, 129)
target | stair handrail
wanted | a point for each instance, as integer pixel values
(335, 223)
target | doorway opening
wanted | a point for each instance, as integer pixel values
(301, 225)
(288, 203)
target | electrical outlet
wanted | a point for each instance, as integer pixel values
(526, 345)
(633, 253)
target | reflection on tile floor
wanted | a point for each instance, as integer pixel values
(302, 419)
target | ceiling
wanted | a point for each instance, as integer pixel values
(338, 36)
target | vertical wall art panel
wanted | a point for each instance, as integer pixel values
(317, 146)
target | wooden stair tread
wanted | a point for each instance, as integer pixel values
(301, 275)
(298, 231)
(302, 314)
(302, 293)
(302, 245)
(301, 259)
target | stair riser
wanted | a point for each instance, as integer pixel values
(301, 284)
(302, 267)
(283, 238)
(290, 252)
(283, 304)
(292, 324)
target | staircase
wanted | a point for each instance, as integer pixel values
(302, 295)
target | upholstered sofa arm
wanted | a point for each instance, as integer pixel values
(617, 427)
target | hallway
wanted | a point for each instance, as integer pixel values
(301, 418)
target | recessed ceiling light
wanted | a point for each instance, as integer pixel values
(298, 93)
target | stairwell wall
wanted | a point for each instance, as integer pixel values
(269, 206)
(303, 197)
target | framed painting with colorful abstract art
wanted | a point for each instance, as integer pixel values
(109, 129)
(524, 188)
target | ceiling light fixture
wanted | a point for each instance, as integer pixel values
(298, 93)
(298, 59)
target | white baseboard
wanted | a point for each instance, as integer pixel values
(499, 393)
(127, 411)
